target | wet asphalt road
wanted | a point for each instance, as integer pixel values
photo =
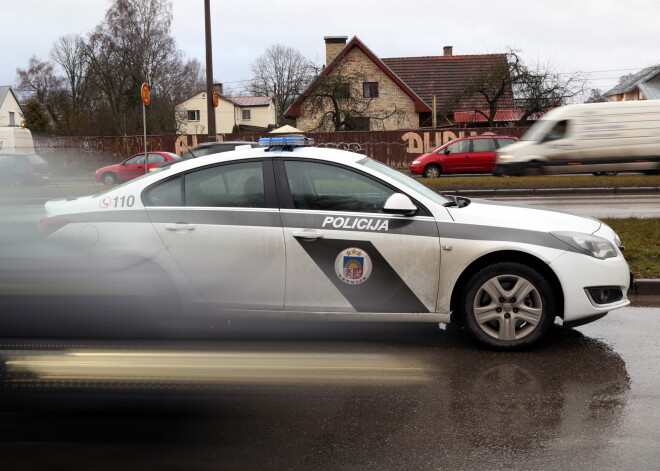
(377, 397)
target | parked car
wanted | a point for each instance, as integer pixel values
(133, 167)
(465, 155)
(599, 138)
(23, 169)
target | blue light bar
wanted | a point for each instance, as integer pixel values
(286, 141)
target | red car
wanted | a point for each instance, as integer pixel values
(132, 167)
(465, 155)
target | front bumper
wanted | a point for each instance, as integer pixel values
(578, 273)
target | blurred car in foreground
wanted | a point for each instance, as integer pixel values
(289, 231)
(23, 169)
(473, 154)
(133, 167)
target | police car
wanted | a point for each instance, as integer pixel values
(293, 231)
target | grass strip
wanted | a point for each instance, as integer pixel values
(641, 237)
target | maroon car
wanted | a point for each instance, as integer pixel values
(133, 167)
(465, 155)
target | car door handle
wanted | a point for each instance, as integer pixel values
(307, 235)
(467, 156)
(180, 227)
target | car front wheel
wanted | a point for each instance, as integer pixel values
(508, 306)
(432, 171)
(109, 178)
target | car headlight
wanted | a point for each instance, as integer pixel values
(416, 162)
(505, 156)
(588, 244)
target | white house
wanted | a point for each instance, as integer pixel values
(253, 113)
(11, 113)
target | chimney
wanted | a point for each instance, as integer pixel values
(217, 87)
(333, 45)
(448, 50)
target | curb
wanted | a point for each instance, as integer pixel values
(640, 190)
(649, 287)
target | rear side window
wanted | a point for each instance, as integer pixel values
(504, 142)
(234, 185)
(483, 145)
(167, 193)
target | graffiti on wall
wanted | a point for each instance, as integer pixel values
(421, 143)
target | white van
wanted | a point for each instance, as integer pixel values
(593, 137)
(16, 140)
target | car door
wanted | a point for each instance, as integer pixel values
(482, 157)
(131, 168)
(456, 157)
(222, 226)
(343, 253)
(559, 147)
(154, 161)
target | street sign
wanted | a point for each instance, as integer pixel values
(216, 97)
(146, 94)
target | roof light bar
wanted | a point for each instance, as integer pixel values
(286, 141)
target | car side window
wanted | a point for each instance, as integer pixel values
(233, 185)
(323, 187)
(504, 142)
(483, 145)
(155, 159)
(557, 132)
(460, 147)
(136, 160)
(167, 193)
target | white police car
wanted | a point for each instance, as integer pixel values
(297, 232)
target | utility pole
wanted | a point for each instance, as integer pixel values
(210, 109)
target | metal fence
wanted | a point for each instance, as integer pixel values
(80, 155)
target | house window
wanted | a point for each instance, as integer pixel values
(193, 115)
(370, 89)
(12, 118)
(246, 115)
(343, 90)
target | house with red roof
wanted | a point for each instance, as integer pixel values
(248, 113)
(371, 93)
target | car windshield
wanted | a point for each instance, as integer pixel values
(34, 159)
(537, 131)
(174, 156)
(404, 180)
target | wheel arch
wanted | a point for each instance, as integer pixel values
(432, 164)
(505, 256)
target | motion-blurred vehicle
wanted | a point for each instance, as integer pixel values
(133, 167)
(23, 169)
(600, 138)
(473, 154)
(289, 231)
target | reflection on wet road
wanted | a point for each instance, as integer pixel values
(349, 397)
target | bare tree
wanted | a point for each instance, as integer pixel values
(535, 89)
(283, 73)
(596, 96)
(338, 103)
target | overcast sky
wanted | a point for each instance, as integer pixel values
(604, 38)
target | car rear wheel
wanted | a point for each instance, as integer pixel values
(109, 178)
(432, 171)
(508, 306)
(16, 180)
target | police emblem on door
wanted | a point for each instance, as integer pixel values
(353, 266)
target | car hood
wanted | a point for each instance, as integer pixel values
(519, 216)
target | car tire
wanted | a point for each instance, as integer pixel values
(497, 317)
(432, 171)
(17, 180)
(610, 173)
(109, 178)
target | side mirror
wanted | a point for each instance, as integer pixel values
(447, 151)
(399, 203)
